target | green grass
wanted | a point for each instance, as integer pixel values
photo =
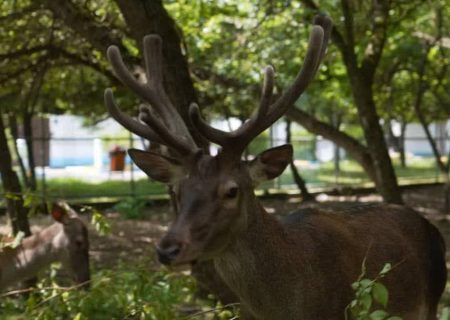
(323, 175)
(70, 188)
(75, 188)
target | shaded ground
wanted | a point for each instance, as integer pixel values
(130, 240)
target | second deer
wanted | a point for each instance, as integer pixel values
(301, 267)
(64, 241)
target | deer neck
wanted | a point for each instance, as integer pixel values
(34, 253)
(257, 260)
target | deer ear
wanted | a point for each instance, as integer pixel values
(270, 163)
(156, 166)
(59, 213)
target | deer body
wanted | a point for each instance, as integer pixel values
(301, 268)
(64, 241)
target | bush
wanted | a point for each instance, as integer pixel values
(131, 208)
(123, 293)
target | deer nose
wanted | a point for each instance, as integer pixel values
(168, 251)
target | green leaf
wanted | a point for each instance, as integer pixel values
(366, 285)
(378, 315)
(100, 222)
(380, 294)
(387, 267)
(12, 196)
(366, 301)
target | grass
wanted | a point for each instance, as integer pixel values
(77, 188)
(323, 175)
(70, 188)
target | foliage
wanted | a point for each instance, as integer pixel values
(131, 208)
(126, 292)
(100, 223)
(6, 243)
(368, 293)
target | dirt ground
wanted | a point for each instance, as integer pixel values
(130, 240)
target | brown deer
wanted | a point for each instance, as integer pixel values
(64, 241)
(301, 267)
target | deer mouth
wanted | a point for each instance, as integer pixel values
(176, 254)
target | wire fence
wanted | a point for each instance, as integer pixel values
(71, 168)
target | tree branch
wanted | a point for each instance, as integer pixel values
(347, 51)
(374, 48)
(357, 151)
(99, 35)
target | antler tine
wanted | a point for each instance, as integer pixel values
(155, 131)
(268, 113)
(223, 138)
(327, 25)
(171, 126)
(147, 116)
(302, 79)
(267, 92)
(124, 75)
(212, 134)
(153, 66)
(168, 128)
(129, 123)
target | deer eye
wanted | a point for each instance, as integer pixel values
(231, 193)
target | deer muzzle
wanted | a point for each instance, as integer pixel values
(168, 250)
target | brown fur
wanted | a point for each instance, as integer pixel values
(301, 267)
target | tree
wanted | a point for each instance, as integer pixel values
(422, 63)
(17, 213)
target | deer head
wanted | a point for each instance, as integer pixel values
(214, 196)
(72, 243)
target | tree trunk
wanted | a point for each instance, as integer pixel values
(17, 213)
(401, 144)
(14, 134)
(385, 178)
(150, 17)
(28, 133)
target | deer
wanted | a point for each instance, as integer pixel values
(298, 267)
(65, 241)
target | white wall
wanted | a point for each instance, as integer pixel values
(73, 144)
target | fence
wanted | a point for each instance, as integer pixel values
(80, 167)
